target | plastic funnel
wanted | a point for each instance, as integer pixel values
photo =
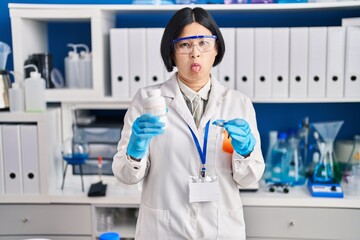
(328, 130)
(4, 52)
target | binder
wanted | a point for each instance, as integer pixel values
(317, 62)
(335, 62)
(352, 63)
(263, 62)
(2, 180)
(119, 62)
(155, 64)
(12, 159)
(226, 69)
(245, 61)
(30, 159)
(280, 62)
(298, 62)
(137, 59)
(215, 72)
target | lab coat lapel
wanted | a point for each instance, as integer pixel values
(170, 89)
(217, 94)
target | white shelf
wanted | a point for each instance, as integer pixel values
(217, 7)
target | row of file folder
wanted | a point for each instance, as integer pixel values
(19, 159)
(263, 63)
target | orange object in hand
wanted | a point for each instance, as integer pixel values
(227, 147)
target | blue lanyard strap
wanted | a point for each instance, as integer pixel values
(202, 153)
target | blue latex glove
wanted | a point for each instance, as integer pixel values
(144, 128)
(242, 139)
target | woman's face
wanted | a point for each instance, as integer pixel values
(194, 67)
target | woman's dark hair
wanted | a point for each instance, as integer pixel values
(178, 22)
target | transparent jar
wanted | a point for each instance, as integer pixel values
(351, 174)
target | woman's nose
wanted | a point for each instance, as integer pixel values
(195, 53)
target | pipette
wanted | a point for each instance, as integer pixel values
(219, 122)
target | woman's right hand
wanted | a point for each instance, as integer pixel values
(144, 128)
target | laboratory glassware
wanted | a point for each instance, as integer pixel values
(293, 170)
(325, 171)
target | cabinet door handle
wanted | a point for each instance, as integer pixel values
(292, 224)
(25, 220)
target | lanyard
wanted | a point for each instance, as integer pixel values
(202, 153)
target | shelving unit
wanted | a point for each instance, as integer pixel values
(30, 34)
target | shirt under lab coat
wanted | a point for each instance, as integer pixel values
(165, 212)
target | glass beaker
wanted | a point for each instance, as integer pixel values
(4, 52)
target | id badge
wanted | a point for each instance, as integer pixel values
(203, 189)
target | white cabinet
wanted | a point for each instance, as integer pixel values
(30, 35)
(45, 219)
(301, 223)
(48, 134)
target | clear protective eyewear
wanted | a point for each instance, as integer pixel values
(203, 43)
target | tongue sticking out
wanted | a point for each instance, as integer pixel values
(195, 67)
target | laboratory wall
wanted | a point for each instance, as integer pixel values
(271, 116)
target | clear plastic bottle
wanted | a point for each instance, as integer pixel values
(155, 104)
(34, 88)
(72, 71)
(16, 98)
(278, 153)
(85, 67)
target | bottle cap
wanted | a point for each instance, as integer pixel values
(154, 92)
(109, 236)
(35, 75)
(15, 85)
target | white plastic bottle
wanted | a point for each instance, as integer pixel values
(85, 67)
(72, 71)
(16, 98)
(34, 88)
(155, 104)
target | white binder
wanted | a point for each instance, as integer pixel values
(137, 59)
(263, 62)
(12, 159)
(2, 179)
(215, 72)
(30, 159)
(317, 62)
(352, 63)
(226, 68)
(280, 62)
(335, 62)
(298, 62)
(119, 61)
(245, 61)
(155, 64)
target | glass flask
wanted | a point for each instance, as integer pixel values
(326, 170)
(293, 169)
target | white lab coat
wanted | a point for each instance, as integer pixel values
(165, 212)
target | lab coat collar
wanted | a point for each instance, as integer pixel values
(170, 89)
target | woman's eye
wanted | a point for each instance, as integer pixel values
(184, 45)
(203, 43)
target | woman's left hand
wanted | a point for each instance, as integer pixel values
(242, 139)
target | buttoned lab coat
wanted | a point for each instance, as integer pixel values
(165, 212)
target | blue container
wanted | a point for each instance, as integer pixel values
(109, 236)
